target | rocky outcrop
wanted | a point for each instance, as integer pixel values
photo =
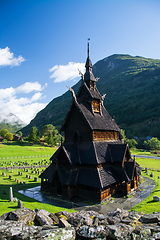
(40, 224)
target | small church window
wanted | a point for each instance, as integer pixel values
(96, 105)
(92, 85)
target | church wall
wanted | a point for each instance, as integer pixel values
(105, 135)
(76, 123)
(45, 186)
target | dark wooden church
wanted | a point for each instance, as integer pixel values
(93, 162)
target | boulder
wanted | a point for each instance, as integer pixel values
(83, 218)
(144, 232)
(156, 199)
(42, 218)
(119, 231)
(28, 232)
(150, 218)
(92, 232)
(57, 234)
(63, 223)
(119, 213)
(54, 218)
(134, 215)
(113, 220)
(24, 215)
(9, 229)
(4, 216)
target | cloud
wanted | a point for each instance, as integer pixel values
(29, 87)
(7, 58)
(25, 108)
(66, 72)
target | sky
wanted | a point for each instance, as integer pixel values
(44, 42)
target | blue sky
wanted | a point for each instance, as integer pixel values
(43, 42)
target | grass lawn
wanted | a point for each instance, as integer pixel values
(148, 206)
(12, 150)
(148, 163)
(142, 152)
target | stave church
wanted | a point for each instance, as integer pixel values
(93, 163)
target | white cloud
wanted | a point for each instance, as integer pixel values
(29, 87)
(25, 108)
(66, 72)
(7, 58)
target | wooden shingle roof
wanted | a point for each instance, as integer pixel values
(93, 152)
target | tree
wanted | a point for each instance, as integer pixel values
(34, 135)
(4, 132)
(19, 133)
(153, 143)
(50, 129)
(50, 139)
(9, 136)
(132, 143)
(47, 129)
(124, 136)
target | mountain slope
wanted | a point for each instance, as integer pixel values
(132, 85)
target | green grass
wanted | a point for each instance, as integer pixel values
(10, 151)
(141, 152)
(148, 163)
(148, 206)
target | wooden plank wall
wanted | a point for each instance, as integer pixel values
(105, 135)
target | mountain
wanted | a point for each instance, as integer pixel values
(132, 87)
(11, 122)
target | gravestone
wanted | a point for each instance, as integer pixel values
(30, 177)
(36, 179)
(24, 184)
(151, 175)
(10, 177)
(20, 204)
(10, 194)
(26, 176)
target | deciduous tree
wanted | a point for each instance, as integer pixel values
(34, 135)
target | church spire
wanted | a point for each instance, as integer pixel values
(88, 47)
(88, 61)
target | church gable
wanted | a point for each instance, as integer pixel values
(77, 125)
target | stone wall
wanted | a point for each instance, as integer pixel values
(24, 223)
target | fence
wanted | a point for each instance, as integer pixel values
(20, 157)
